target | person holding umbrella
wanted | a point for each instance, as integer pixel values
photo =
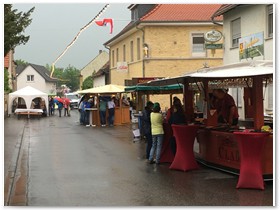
(66, 105)
(59, 102)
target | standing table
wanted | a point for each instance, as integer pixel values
(166, 153)
(251, 146)
(184, 158)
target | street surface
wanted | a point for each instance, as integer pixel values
(56, 161)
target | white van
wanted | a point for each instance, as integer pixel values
(74, 100)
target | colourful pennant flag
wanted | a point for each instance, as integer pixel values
(104, 23)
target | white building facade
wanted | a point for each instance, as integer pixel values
(36, 77)
(253, 22)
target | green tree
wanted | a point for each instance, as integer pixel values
(58, 73)
(21, 62)
(7, 89)
(88, 83)
(14, 25)
(71, 77)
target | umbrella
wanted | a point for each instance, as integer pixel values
(66, 101)
(57, 99)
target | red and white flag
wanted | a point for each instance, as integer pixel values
(104, 22)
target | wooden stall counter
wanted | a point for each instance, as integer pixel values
(220, 149)
(121, 116)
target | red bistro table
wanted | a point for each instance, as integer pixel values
(251, 146)
(166, 152)
(184, 158)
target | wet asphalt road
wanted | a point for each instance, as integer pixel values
(73, 165)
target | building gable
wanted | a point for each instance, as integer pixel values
(98, 62)
(40, 69)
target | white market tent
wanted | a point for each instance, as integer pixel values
(28, 93)
(104, 89)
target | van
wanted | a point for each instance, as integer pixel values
(74, 100)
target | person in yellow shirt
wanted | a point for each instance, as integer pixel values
(157, 133)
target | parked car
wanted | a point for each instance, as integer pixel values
(74, 100)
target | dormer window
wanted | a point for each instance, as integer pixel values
(134, 14)
(139, 10)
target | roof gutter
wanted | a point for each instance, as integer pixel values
(143, 42)
(215, 22)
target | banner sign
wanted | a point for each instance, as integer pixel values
(251, 46)
(122, 66)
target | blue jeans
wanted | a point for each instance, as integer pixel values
(157, 144)
(102, 117)
(111, 116)
(82, 117)
(86, 117)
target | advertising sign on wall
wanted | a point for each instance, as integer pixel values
(251, 46)
(122, 66)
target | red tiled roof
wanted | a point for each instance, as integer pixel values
(182, 12)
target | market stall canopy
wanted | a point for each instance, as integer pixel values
(104, 89)
(236, 70)
(28, 93)
(244, 69)
(155, 89)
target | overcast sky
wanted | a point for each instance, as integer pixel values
(54, 26)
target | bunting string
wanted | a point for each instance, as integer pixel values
(76, 37)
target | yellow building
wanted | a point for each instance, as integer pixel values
(163, 40)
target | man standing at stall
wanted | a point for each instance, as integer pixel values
(102, 111)
(111, 110)
(226, 108)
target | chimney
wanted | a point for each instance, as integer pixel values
(100, 51)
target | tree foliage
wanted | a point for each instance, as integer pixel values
(69, 77)
(88, 83)
(21, 62)
(14, 25)
(7, 89)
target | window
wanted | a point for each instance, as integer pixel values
(113, 58)
(270, 21)
(198, 45)
(117, 55)
(30, 78)
(131, 51)
(124, 53)
(138, 49)
(235, 32)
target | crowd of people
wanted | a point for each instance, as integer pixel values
(87, 102)
(61, 103)
(105, 103)
(152, 121)
(152, 117)
(152, 125)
